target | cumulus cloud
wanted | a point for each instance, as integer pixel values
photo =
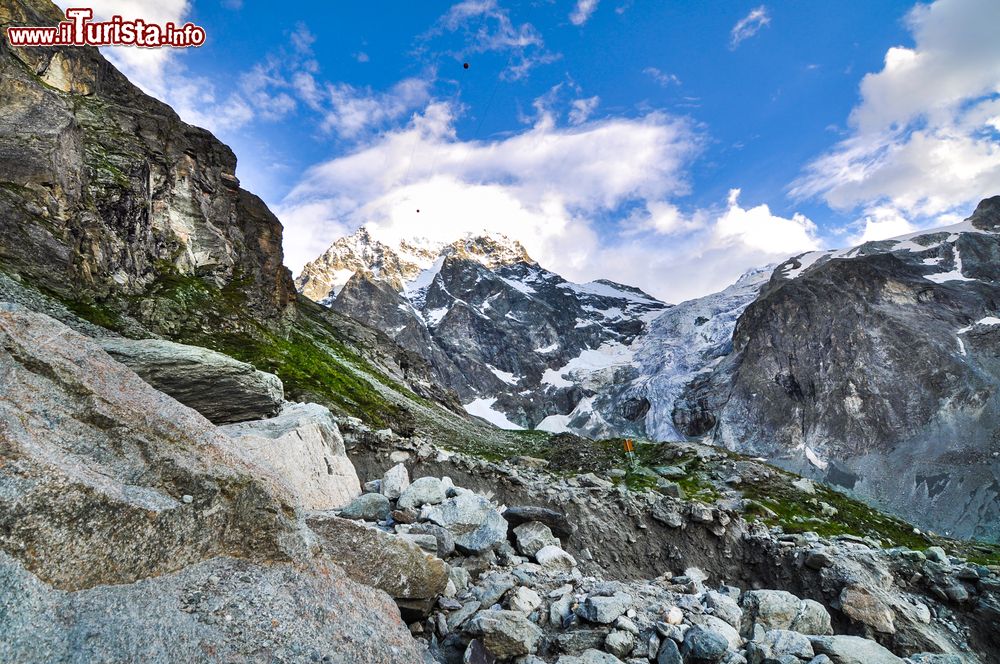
(352, 110)
(557, 189)
(923, 141)
(583, 11)
(748, 26)
(880, 223)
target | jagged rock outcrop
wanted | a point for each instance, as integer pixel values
(119, 212)
(875, 369)
(108, 192)
(222, 389)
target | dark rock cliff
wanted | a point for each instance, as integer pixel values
(104, 190)
(876, 369)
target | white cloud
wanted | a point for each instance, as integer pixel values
(758, 229)
(662, 77)
(924, 143)
(748, 26)
(881, 223)
(557, 189)
(352, 110)
(534, 184)
(583, 11)
(582, 109)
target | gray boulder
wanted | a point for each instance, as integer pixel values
(532, 536)
(604, 610)
(669, 653)
(778, 609)
(303, 446)
(589, 656)
(472, 519)
(505, 633)
(866, 607)
(555, 558)
(220, 610)
(367, 507)
(619, 643)
(420, 492)
(524, 600)
(557, 522)
(703, 645)
(779, 643)
(373, 557)
(852, 650)
(395, 480)
(219, 387)
(724, 607)
(445, 540)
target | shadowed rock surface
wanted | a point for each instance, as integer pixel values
(220, 610)
(222, 389)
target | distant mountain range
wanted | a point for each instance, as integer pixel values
(874, 367)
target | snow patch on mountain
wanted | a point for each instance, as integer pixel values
(484, 408)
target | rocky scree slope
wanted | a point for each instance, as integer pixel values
(875, 369)
(588, 570)
(507, 335)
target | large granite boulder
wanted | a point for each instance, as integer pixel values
(107, 480)
(473, 520)
(379, 559)
(303, 446)
(133, 529)
(220, 610)
(217, 386)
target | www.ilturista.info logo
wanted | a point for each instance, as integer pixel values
(79, 30)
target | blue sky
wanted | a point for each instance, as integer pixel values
(610, 136)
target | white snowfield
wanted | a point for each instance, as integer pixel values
(484, 408)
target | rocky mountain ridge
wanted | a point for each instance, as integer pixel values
(496, 327)
(875, 369)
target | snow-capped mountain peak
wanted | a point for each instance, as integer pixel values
(407, 264)
(512, 338)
